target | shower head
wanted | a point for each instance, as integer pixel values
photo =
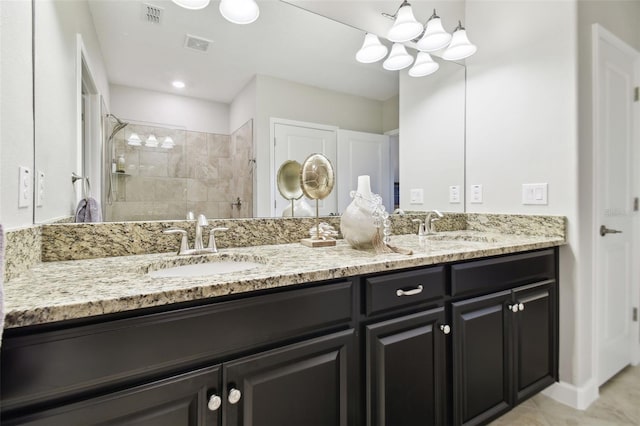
(118, 126)
(118, 121)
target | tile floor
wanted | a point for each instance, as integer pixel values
(619, 404)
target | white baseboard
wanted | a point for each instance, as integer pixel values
(576, 397)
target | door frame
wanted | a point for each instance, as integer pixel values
(272, 151)
(600, 34)
(88, 156)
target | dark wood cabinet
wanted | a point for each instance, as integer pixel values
(177, 401)
(303, 384)
(405, 363)
(457, 343)
(504, 350)
(535, 338)
(481, 358)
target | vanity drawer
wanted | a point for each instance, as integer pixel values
(485, 276)
(51, 365)
(402, 289)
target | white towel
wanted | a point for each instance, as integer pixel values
(1, 285)
(88, 211)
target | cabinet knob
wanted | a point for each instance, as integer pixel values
(214, 402)
(234, 396)
(521, 306)
(514, 308)
(445, 329)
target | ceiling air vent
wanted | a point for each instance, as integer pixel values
(152, 14)
(196, 43)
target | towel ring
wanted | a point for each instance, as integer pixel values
(86, 186)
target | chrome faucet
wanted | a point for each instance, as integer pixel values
(184, 241)
(198, 246)
(212, 239)
(421, 229)
(430, 221)
(202, 222)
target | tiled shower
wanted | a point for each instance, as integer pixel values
(204, 173)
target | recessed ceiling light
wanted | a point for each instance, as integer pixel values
(178, 84)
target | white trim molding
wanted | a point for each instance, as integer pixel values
(576, 397)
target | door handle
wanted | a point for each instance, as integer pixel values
(604, 231)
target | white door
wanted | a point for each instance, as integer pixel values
(614, 150)
(297, 142)
(364, 154)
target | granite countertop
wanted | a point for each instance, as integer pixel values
(56, 291)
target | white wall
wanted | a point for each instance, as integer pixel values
(198, 115)
(243, 106)
(16, 106)
(391, 114)
(284, 99)
(522, 124)
(432, 137)
(56, 98)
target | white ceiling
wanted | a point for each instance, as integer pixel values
(285, 42)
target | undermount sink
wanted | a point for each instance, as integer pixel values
(201, 267)
(463, 237)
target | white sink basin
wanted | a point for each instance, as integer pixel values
(471, 238)
(204, 269)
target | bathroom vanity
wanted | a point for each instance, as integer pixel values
(458, 333)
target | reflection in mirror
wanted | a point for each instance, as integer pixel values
(278, 67)
(288, 180)
(162, 173)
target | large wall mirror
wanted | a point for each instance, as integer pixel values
(105, 108)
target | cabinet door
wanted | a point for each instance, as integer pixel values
(176, 401)
(481, 358)
(535, 333)
(405, 370)
(308, 384)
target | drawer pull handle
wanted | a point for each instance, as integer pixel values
(445, 329)
(401, 292)
(214, 402)
(514, 308)
(234, 396)
(521, 306)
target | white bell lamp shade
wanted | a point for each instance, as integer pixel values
(398, 58)
(424, 65)
(460, 46)
(192, 4)
(435, 37)
(151, 141)
(405, 27)
(372, 50)
(239, 11)
(167, 143)
(134, 140)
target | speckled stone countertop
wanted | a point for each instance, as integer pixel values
(56, 291)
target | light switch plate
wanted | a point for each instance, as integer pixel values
(40, 188)
(416, 196)
(25, 192)
(476, 194)
(454, 194)
(534, 193)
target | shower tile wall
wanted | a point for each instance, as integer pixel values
(203, 173)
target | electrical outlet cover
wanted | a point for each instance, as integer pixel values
(454, 194)
(534, 193)
(416, 196)
(476, 194)
(25, 192)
